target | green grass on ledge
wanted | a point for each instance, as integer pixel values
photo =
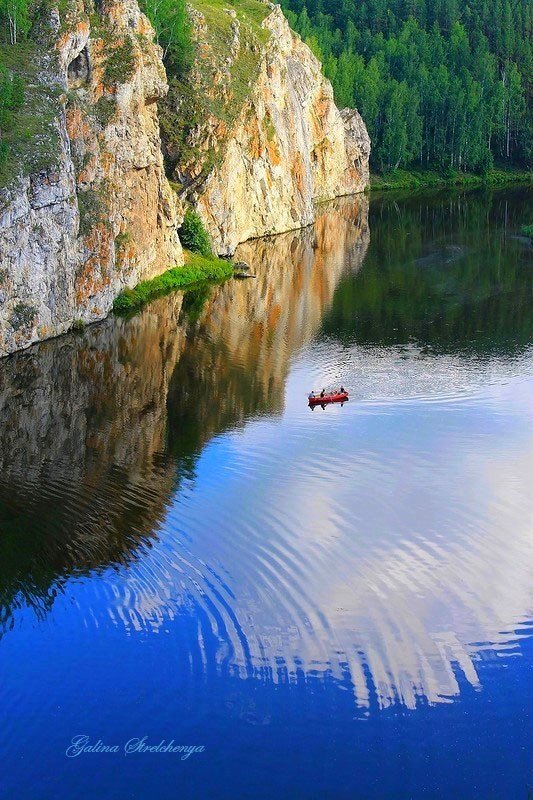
(421, 179)
(197, 269)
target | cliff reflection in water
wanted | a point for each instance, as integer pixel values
(448, 273)
(97, 431)
(238, 354)
(169, 462)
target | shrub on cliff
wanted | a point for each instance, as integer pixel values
(120, 65)
(11, 95)
(173, 29)
(193, 235)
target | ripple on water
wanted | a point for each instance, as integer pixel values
(385, 544)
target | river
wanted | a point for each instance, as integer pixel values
(328, 603)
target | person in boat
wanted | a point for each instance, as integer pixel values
(311, 395)
(342, 390)
(322, 393)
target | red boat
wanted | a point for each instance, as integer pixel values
(317, 400)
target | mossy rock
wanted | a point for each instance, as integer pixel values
(31, 139)
(22, 316)
(120, 64)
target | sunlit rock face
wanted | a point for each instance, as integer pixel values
(288, 147)
(102, 216)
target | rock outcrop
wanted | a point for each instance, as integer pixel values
(287, 147)
(102, 216)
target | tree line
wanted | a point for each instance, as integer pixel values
(14, 25)
(439, 83)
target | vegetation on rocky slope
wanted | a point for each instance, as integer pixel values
(226, 41)
(173, 30)
(196, 270)
(28, 112)
(30, 97)
(201, 267)
(11, 100)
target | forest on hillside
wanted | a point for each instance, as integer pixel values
(440, 83)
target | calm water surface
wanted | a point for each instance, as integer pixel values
(335, 603)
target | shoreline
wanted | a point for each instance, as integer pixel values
(432, 179)
(196, 270)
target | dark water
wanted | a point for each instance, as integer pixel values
(334, 604)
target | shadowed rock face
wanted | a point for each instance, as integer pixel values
(102, 216)
(98, 429)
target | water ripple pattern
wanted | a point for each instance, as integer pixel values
(164, 476)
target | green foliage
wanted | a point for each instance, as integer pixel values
(422, 179)
(11, 94)
(22, 316)
(188, 105)
(122, 240)
(120, 64)
(11, 100)
(193, 235)
(438, 84)
(196, 270)
(269, 127)
(105, 110)
(527, 230)
(92, 208)
(15, 20)
(173, 29)
(29, 140)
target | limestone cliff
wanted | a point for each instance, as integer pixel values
(267, 140)
(252, 138)
(100, 215)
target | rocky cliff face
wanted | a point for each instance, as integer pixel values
(286, 148)
(254, 138)
(101, 216)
